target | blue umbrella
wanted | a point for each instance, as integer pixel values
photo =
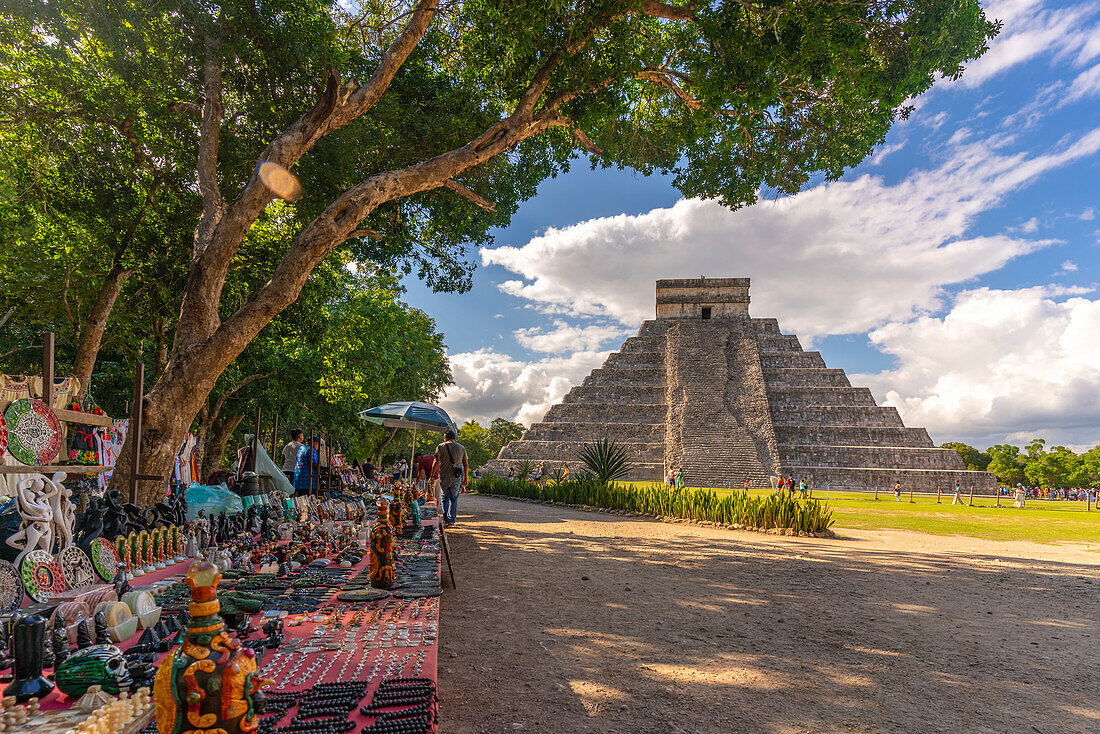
(410, 414)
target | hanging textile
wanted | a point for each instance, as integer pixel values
(110, 442)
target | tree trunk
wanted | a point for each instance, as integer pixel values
(91, 335)
(382, 447)
(215, 441)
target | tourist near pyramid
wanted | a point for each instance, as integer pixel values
(726, 397)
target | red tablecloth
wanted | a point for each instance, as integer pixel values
(348, 662)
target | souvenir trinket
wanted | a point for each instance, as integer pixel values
(42, 577)
(11, 588)
(105, 560)
(33, 430)
(76, 567)
(98, 665)
(28, 634)
(210, 683)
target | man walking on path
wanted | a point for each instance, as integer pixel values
(454, 472)
(290, 454)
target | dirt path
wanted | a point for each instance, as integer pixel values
(569, 621)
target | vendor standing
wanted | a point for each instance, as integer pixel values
(305, 466)
(454, 472)
(290, 454)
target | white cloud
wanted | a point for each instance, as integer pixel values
(1069, 266)
(1088, 215)
(1030, 226)
(567, 338)
(840, 258)
(1000, 363)
(884, 151)
(1031, 29)
(489, 384)
(1086, 84)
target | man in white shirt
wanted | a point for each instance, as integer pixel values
(290, 453)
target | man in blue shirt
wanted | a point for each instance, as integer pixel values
(305, 465)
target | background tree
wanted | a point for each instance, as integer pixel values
(973, 459)
(727, 97)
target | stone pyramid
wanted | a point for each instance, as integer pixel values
(727, 397)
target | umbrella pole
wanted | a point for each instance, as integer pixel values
(412, 453)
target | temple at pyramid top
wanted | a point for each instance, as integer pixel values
(702, 298)
(727, 397)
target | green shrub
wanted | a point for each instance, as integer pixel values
(606, 460)
(740, 508)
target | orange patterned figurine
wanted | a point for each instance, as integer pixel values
(210, 684)
(397, 513)
(382, 571)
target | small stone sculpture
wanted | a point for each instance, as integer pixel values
(84, 634)
(59, 639)
(28, 632)
(101, 637)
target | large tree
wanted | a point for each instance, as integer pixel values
(419, 116)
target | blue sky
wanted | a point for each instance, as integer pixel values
(954, 272)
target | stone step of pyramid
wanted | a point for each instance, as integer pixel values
(586, 432)
(870, 457)
(785, 396)
(779, 342)
(615, 394)
(805, 377)
(634, 359)
(853, 436)
(570, 451)
(922, 480)
(766, 327)
(836, 415)
(772, 359)
(640, 471)
(611, 412)
(644, 376)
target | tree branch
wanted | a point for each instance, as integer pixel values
(586, 142)
(213, 205)
(364, 232)
(661, 77)
(185, 108)
(464, 192)
(213, 415)
(656, 9)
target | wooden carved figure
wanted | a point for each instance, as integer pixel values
(397, 514)
(210, 684)
(382, 569)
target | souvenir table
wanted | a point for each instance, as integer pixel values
(344, 640)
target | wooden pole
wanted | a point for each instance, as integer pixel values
(911, 501)
(309, 462)
(256, 442)
(47, 367)
(275, 439)
(937, 494)
(971, 495)
(135, 429)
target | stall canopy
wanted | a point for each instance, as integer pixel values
(411, 414)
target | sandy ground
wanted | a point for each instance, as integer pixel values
(570, 621)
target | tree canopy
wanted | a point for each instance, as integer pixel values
(414, 127)
(1060, 467)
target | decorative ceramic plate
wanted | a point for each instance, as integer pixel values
(11, 588)
(34, 432)
(76, 567)
(363, 595)
(104, 559)
(42, 577)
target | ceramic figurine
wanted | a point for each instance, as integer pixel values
(98, 665)
(210, 684)
(137, 565)
(414, 507)
(202, 530)
(61, 509)
(156, 550)
(28, 632)
(382, 571)
(191, 547)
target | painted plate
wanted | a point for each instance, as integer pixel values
(104, 559)
(11, 588)
(42, 577)
(34, 432)
(362, 595)
(76, 567)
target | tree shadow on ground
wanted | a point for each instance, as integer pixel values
(624, 625)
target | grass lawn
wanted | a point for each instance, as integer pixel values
(1041, 521)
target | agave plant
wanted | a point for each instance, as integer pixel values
(606, 460)
(556, 476)
(524, 470)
